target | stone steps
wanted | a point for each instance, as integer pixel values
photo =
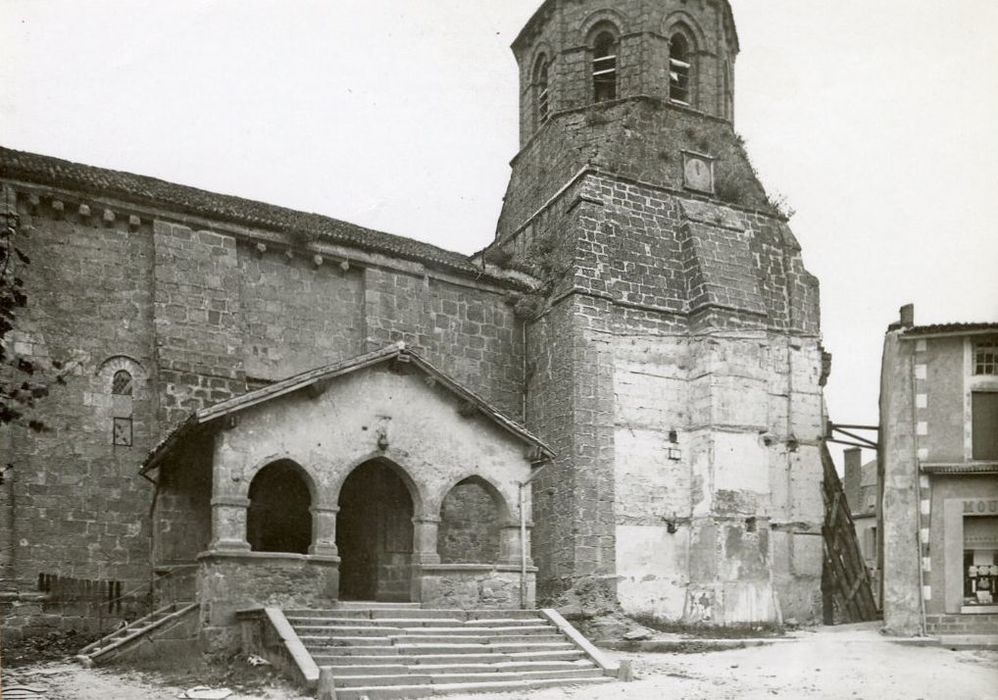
(417, 678)
(373, 646)
(397, 651)
(392, 692)
(504, 666)
(325, 658)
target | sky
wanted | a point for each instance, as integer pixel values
(877, 120)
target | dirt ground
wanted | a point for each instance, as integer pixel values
(843, 662)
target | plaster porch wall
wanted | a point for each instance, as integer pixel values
(430, 436)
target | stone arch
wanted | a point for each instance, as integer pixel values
(542, 49)
(314, 492)
(106, 370)
(684, 64)
(680, 21)
(415, 491)
(472, 515)
(603, 18)
(377, 502)
(279, 517)
(119, 381)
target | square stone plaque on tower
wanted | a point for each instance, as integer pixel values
(698, 172)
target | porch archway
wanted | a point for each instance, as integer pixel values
(472, 516)
(374, 533)
(278, 518)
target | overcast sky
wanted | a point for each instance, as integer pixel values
(877, 119)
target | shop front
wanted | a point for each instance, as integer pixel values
(962, 571)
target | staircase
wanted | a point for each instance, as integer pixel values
(122, 639)
(403, 651)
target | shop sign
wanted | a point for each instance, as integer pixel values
(980, 507)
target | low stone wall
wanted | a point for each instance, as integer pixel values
(37, 614)
(962, 624)
(471, 586)
(229, 582)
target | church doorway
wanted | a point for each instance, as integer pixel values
(374, 534)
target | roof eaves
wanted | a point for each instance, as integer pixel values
(484, 406)
(949, 329)
(305, 379)
(155, 192)
(165, 446)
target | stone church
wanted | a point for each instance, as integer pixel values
(618, 400)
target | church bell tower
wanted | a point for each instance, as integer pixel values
(672, 338)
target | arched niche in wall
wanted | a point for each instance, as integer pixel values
(471, 516)
(119, 384)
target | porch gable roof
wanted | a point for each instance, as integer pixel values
(201, 419)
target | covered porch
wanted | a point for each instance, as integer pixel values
(377, 479)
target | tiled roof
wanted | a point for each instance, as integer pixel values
(961, 468)
(140, 189)
(952, 328)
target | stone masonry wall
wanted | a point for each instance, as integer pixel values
(639, 139)
(70, 503)
(719, 296)
(193, 311)
(296, 317)
(471, 334)
(75, 495)
(469, 526)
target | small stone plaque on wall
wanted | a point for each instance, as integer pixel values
(698, 172)
(123, 432)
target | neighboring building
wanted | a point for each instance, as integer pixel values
(939, 469)
(863, 494)
(643, 310)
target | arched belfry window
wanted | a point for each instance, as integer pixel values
(680, 69)
(542, 104)
(605, 67)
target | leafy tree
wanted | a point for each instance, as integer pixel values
(23, 382)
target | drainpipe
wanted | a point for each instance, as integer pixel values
(523, 533)
(918, 496)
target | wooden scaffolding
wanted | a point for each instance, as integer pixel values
(845, 582)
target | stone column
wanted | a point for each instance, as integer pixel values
(511, 546)
(424, 548)
(324, 531)
(228, 524)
